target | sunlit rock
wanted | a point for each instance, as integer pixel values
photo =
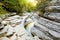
(0, 19)
(4, 38)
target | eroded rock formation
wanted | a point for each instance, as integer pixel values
(30, 26)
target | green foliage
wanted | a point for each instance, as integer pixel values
(22, 5)
(26, 5)
(11, 5)
(17, 5)
(2, 10)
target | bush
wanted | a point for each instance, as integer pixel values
(11, 5)
(2, 10)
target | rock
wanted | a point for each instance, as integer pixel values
(5, 29)
(0, 19)
(55, 2)
(15, 21)
(40, 34)
(29, 26)
(12, 18)
(40, 28)
(10, 30)
(3, 17)
(19, 30)
(4, 22)
(55, 34)
(49, 24)
(11, 14)
(4, 38)
(1, 27)
(36, 38)
(52, 9)
(53, 16)
(14, 37)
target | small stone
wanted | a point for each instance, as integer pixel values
(4, 22)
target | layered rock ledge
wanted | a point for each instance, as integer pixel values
(29, 27)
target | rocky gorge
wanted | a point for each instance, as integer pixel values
(31, 26)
